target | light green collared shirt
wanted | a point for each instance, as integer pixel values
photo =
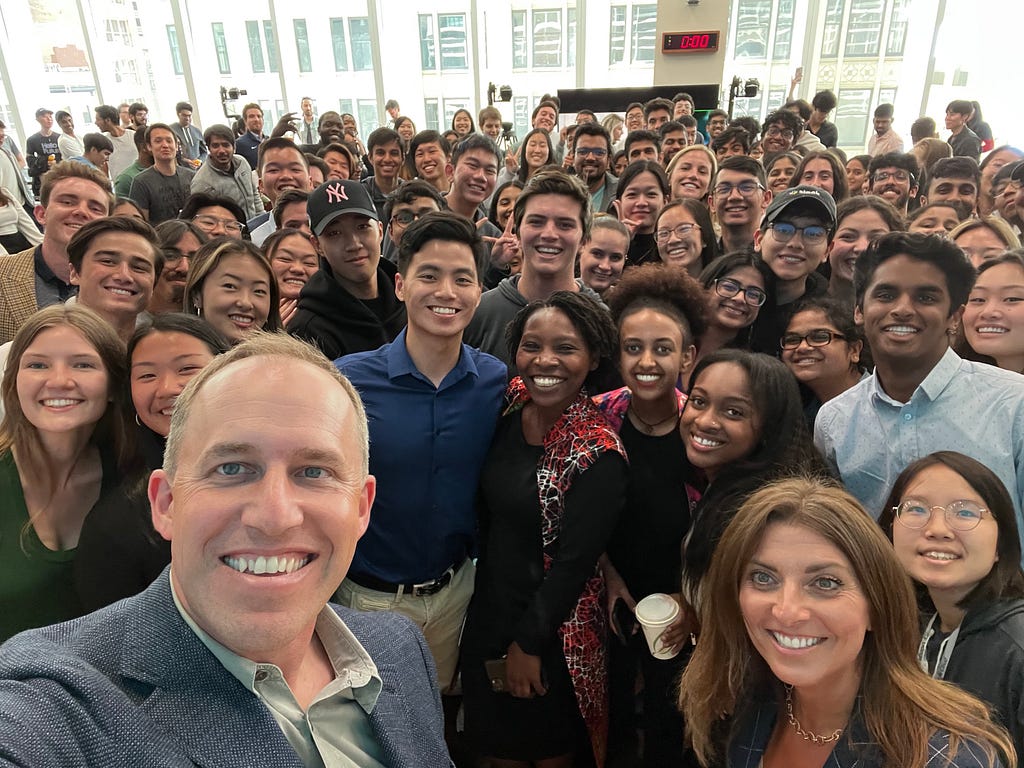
(335, 732)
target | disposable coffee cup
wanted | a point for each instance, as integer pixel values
(655, 613)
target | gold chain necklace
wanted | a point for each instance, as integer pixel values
(807, 735)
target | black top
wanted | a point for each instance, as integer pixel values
(643, 249)
(646, 545)
(773, 319)
(514, 598)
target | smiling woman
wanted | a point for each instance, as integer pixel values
(233, 287)
(807, 656)
(63, 445)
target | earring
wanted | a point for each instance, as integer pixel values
(137, 419)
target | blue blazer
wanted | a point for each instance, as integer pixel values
(131, 685)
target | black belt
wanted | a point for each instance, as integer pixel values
(423, 589)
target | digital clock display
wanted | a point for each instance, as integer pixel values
(690, 42)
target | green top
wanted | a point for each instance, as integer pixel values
(36, 584)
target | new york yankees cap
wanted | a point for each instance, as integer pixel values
(335, 198)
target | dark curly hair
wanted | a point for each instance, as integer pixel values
(665, 289)
(590, 319)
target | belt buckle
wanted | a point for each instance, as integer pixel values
(428, 588)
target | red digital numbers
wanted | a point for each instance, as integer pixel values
(687, 42)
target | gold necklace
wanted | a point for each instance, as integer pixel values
(807, 735)
(648, 427)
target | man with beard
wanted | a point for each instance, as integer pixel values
(673, 138)
(307, 132)
(1004, 194)
(893, 177)
(225, 174)
(952, 178)
(886, 140)
(593, 150)
(330, 129)
(179, 242)
(248, 144)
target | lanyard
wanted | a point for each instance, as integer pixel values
(945, 650)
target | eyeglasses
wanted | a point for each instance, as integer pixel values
(208, 223)
(776, 131)
(405, 218)
(960, 515)
(172, 256)
(819, 337)
(745, 188)
(727, 288)
(662, 235)
(1002, 186)
(900, 176)
(591, 151)
(783, 232)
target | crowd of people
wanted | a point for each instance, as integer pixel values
(372, 450)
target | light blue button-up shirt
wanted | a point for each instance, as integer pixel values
(868, 438)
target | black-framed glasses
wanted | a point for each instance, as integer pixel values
(819, 337)
(208, 222)
(900, 176)
(960, 515)
(726, 287)
(681, 231)
(785, 133)
(591, 151)
(745, 188)
(814, 234)
(405, 218)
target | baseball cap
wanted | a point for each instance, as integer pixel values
(813, 197)
(335, 198)
(43, 111)
(1016, 171)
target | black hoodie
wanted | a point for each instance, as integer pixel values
(338, 323)
(988, 661)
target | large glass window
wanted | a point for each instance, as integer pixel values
(783, 31)
(430, 114)
(833, 25)
(617, 35)
(172, 42)
(368, 120)
(864, 32)
(898, 28)
(570, 31)
(338, 45)
(221, 46)
(359, 37)
(451, 106)
(268, 33)
(520, 115)
(852, 114)
(519, 57)
(302, 45)
(252, 33)
(427, 60)
(642, 39)
(451, 28)
(547, 38)
(752, 20)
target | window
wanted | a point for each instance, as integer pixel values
(221, 46)
(617, 35)
(520, 115)
(368, 121)
(775, 100)
(302, 45)
(783, 31)
(852, 114)
(452, 34)
(362, 57)
(749, 107)
(833, 25)
(752, 20)
(430, 114)
(268, 33)
(338, 45)
(865, 30)
(960, 77)
(252, 32)
(570, 47)
(898, 28)
(451, 106)
(519, 40)
(345, 107)
(642, 40)
(117, 31)
(427, 62)
(547, 38)
(172, 41)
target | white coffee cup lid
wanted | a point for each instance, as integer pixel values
(657, 608)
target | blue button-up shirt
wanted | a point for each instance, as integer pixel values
(427, 448)
(868, 438)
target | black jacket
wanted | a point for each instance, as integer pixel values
(338, 323)
(988, 661)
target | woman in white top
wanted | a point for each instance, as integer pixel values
(17, 230)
